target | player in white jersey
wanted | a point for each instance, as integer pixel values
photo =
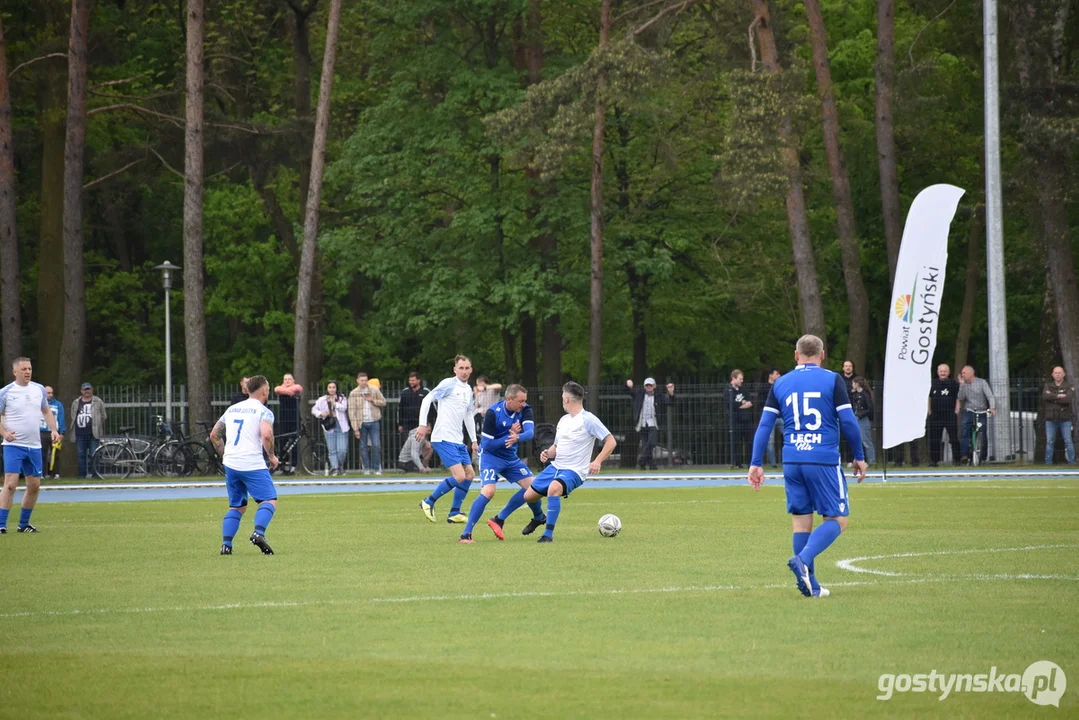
(571, 460)
(242, 436)
(454, 397)
(23, 405)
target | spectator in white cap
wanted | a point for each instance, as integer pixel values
(648, 415)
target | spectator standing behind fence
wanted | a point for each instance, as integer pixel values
(288, 396)
(408, 410)
(649, 412)
(484, 395)
(365, 404)
(739, 417)
(239, 397)
(848, 375)
(942, 395)
(861, 401)
(975, 395)
(89, 416)
(415, 455)
(332, 412)
(1059, 399)
(48, 447)
(770, 450)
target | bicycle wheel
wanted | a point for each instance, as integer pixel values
(315, 458)
(169, 460)
(112, 461)
(976, 448)
(201, 461)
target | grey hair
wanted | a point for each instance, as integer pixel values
(810, 346)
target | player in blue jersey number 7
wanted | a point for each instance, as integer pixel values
(505, 425)
(575, 438)
(813, 405)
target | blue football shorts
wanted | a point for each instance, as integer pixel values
(452, 453)
(569, 480)
(256, 483)
(491, 467)
(25, 460)
(816, 488)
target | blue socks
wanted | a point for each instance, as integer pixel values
(515, 502)
(3, 517)
(230, 525)
(823, 536)
(537, 509)
(444, 487)
(474, 515)
(799, 541)
(263, 516)
(24, 517)
(460, 490)
(554, 506)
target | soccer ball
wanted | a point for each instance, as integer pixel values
(609, 525)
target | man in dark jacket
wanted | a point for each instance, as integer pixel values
(649, 412)
(941, 415)
(1059, 399)
(408, 418)
(739, 418)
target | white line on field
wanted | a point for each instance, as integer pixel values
(849, 563)
(525, 594)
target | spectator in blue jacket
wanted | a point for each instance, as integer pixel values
(48, 450)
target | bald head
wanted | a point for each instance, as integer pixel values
(1058, 374)
(943, 371)
(809, 349)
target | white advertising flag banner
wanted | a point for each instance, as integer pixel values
(915, 313)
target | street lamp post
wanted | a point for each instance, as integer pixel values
(166, 279)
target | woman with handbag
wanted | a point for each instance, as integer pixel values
(332, 412)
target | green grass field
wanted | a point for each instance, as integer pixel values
(367, 610)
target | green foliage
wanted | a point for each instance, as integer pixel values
(457, 196)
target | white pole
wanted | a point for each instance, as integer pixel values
(1000, 444)
(168, 362)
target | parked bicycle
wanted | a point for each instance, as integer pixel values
(119, 457)
(200, 457)
(314, 454)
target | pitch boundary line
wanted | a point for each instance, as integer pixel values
(849, 563)
(527, 594)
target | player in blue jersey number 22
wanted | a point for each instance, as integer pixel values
(813, 405)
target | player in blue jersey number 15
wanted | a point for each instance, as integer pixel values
(814, 406)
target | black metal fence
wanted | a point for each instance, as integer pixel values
(697, 429)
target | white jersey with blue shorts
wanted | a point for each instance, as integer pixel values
(23, 408)
(246, 471)
(814, 407)
(454, 412)
(575, 439)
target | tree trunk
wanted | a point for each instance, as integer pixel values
(857, 297)
(975, 263)
(529, 352)
(73, 342)
(50, 280)
(886, 160)
(595, 340)
(198, 363)
(300, 349)
(1038, 29)
(11, 325)
(301, 88)
(552, 367)
(805, 264)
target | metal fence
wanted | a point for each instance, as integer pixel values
(697, 428)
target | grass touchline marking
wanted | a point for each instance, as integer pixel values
(849, 563)
(538, 593)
